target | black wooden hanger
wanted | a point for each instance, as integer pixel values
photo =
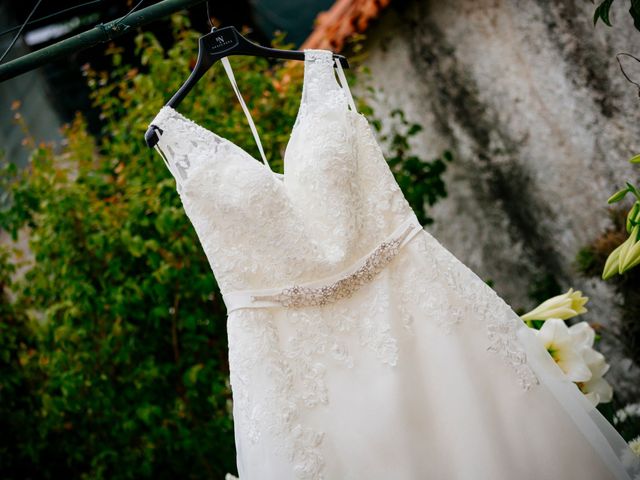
(221, 43)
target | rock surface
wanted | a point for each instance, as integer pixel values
(529, 98)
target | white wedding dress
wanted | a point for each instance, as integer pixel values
(359, 347)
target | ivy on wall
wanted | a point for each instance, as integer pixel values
(603, 9)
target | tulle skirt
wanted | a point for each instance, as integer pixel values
(422, 373)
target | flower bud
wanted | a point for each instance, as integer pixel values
(563, 306)
(612, 265)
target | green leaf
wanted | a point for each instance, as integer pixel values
(632, 216)
(191, 375)
(602, 12)
(619, 195)
(415, 128)
(635, 158)
(634, 10)
(633, 190)
(146, 413)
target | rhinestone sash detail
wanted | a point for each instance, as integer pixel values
(329, 290)
(300, 296)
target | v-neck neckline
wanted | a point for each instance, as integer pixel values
(294, 128)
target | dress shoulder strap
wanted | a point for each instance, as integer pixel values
(345, 85)
(254, 131)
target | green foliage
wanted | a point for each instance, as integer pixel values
(602, 12)
(126, 309)
(598, 259)
(20, 443)
(544, 287)
(626, 255)
(585, 260)
(420, 180)
(113, 354)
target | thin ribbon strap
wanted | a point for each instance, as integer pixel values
(345, 84)
(227, 67)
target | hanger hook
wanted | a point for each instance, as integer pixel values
(209, 17)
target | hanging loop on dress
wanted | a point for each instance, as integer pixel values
(167, 162)
(232, 79)
(345, 85)
(254, 131)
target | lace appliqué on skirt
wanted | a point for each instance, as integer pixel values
(452, 294)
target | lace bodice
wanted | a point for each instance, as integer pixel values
(335, 202)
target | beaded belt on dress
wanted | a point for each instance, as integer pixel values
(329, 289)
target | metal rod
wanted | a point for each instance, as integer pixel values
(102, 32)
(51, 15)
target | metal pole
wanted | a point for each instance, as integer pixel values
(98, 34)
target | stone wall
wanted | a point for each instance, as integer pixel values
(529, 98)
(33, 93)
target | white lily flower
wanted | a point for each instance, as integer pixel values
(563, 306)
(583, 335)
(555, 337)
(572, 349)
(596, 389)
